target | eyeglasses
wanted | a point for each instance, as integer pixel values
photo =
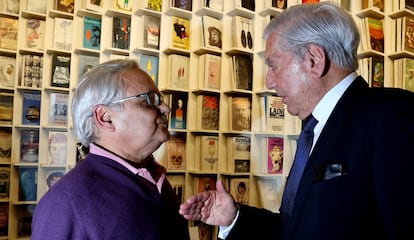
(152, 98)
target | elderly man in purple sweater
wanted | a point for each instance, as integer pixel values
(118, 191)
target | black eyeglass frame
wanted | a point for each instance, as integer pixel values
(152, 98)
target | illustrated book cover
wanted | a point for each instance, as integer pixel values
(239, 154)
(86, 63)
(66, 6)
(377, 72)
(209, 71)
(243, 30)
(408, 80)
(124, 5)
(35, 33)
(212, 32)
(155, 5)
(8, 32)
(58, 112)
(205, 183)
(270, 192)
(27, 183)
(53, 176)
(4, 182)
(92, 32)
(375, 34)
(214, 4)
(180, 31)
(176, 152)
(151, 32)
(208, 112)
(32, 71)
(182, 4)
(57, 147)
(121, 32)
(60, 70)
(5, 145)
(240, 113)
(273, 114)
(7, 71)
(179, 71)
(31, 108)
(209, 153)
(178, 104)
(274, 158)
(30, 146)
(242, 74)
(62, 34)
(239, 189)
(150, 64)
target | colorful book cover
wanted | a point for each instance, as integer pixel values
(209, 106)
(274, 114)
(53, 176)
(27, 183)
(408, 81)
(178, 105)
(124, 5)
(183, 4)
(121, 30)
(151, 32)
(181, 33)
(176, 153)
(275, 148)
(375, 34)
(30, 146)
(239, 189)
(31, 108)
(65, 5)
(91, 32)
(58, 113)
(8, 32)
(377, 67)
(61, 70)
(206, 183)
(240, 114)
(35, 33)
(155, 5)
(149, 64)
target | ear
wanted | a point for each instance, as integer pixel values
(102, 117)
(318, 60)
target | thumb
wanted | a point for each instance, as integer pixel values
(219, 186)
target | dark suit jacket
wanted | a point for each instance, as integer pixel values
(358, 183)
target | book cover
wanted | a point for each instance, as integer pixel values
(270, 192)
(179, 71)
(86, 63)
(58, 112)
(8, 32)
(408, 81)
(31, 108)
(60, 70)
(155, 5)
(240, 113)
(35, 34)
(124, 5)
(4, 183)
(178, 115)
(39, 6)
(249, 4)
(239, 154)
(205, 183)
(375, 4)
(209, 153)
(151, 32)
(208, 117)
(377, 67)
(274, 114)
(281, 4)
(24, 220)
(243, 32)
(212, 32)
(178, 184)
(121, 32)
(375, 34)
(239, 189)
(53, 176)
(215, 4)
(5, 145)
(62, 34)
(242, 72)
(183, 4)
(27, 183)
(66, 6)
(7, 71)
(4, 216)
(210, 71)
(10, 6)
(94, 5)
(176, 153)
(57, 147)
(274, 149)
(32, 71)
(180, 33)
(29, 146)
(91, 32)
(150, 64)
(6, 108)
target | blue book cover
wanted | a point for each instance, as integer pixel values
(149, 64)
(27, 184)
(178, 105)
(91, 33)
(31, 108)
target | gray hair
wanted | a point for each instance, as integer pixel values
(101, 85)
(324, 24)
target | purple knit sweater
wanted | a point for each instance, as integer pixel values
(100, 199)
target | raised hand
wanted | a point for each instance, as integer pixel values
(216, 208)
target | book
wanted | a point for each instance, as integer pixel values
(274, 159)
(32, 71)
(4, 216)
(86, 63)
(62, 34)
(150, 64)
(248, 4)
(27, 183)
(375, 34)
(178, 105)
(57, 146)
(180, 31)
(209, 71)
(238, 154)
(93, 5)
(91, 32)
(176, 152)
(215, 4)
(10, 6)
(182, 4)
(239, 189)
(53, 176)
(178, 184)
(273, 114)
(281, 4)
(242, 73)
(178, 71)
(205, 183)
(155, 5)
(408, 78)
(35, 33)
(66, 6)
(408, 34)
(6, 108)
(243, 30)
(58, 111)
(240, 113)
(270, 192)
(38, 6)
(4, 182)
(60, 70)
(5, 145)
(375, 4)
(7, 71)
(212, 32)
(8, 32)
(151, 32)
(208, 112)
(208, 153)
(377, 75)
(29, 146)
(31, 108)
(121, 32)
(24, 215)
(124, 5)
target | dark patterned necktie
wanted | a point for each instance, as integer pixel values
(301, 158)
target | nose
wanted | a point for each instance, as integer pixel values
(164, 108)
